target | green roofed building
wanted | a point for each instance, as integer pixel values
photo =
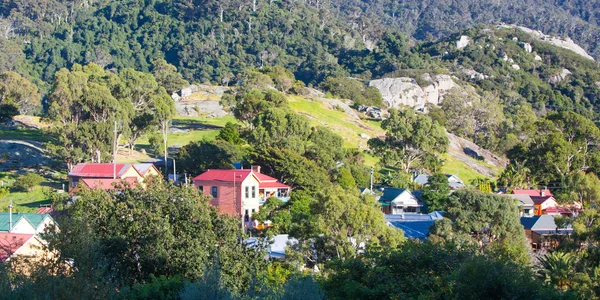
(27, 223)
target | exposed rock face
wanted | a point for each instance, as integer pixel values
(406, 91)
(474, 74)
(200, 100)
(559, 77)
(336, 103)
(527, 47)
(566, 43)
(462, 42)
(471, 154)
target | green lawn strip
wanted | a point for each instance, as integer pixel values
(336, 121)
(28, 201)
(463, 171)
(24, 134)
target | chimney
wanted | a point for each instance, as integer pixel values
(543, 192)
(255, 169)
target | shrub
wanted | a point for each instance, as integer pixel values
(27, 182)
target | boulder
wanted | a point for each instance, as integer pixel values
(364, 136)
(462, 42)
(527, 47)
(559, 77)
(516, 67)
(537, 58)
(406, 91)
(186, 92)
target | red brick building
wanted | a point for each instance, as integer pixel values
(240, 192)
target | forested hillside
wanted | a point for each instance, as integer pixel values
(215, 40)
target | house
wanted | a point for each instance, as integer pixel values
(397, 201)
(545, 203)
(525, 203)
(105, 176)
(240, 192)
(454, 182)
(542, 231)
(25, 223)
(415, 226)
(276, 246)
(19, 244)
(540, 193)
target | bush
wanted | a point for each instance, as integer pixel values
(352, 89)
(27, 182)
(7, 112)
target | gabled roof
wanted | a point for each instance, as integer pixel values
(539, 200)
(224, 175)
(240, 175)
(541, 223)
(5, 221)
(11, 242)
(98, 170)
(36, 220)
(143, 168)
(389, 194)
(536, 193)
(524, 199)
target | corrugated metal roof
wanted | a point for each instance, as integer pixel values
(34, 219)
(524, 199)
(98, 170)
(540, 223)
(533, 192)
(11, 242)
(241, 175)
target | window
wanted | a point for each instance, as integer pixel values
(246, 217)
(214, 191)
(201, 188)
(75, 181)
(247, 192)
(253, 191)
(411, 209)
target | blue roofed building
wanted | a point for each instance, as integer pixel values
(415, 226)
(543, 232)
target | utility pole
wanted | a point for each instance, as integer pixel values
(115, 152)
(10, 207)
(372, 169)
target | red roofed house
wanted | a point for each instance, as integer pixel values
(536, 193)
(545, 203)
(17, 244)
(102, 176)
(240, 192)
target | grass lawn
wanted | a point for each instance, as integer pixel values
(24, 134)
(337, 121)
(456, 167)
(28, 201)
